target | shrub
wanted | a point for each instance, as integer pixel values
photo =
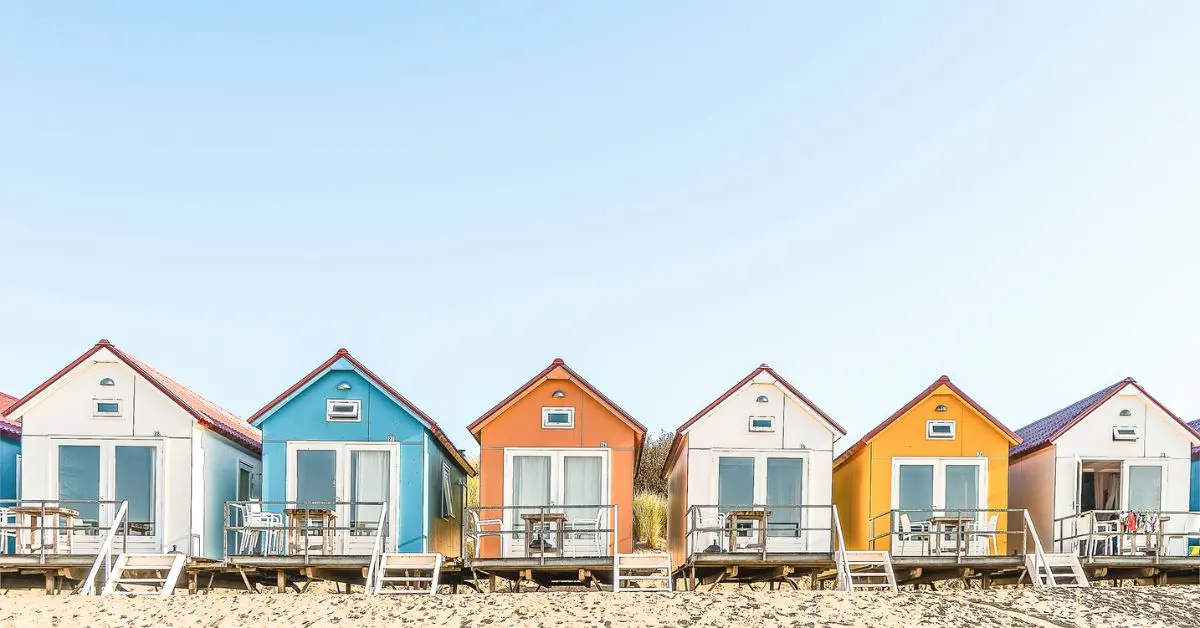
(650, 519)
(473, 485)
(654, 455)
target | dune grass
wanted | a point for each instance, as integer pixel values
(650, 519)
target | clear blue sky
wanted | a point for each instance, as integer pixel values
(863, 195)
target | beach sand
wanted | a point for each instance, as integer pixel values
(1101, 606)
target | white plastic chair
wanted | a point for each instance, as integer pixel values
(258, 527)
(983, 537)
(9, 525)
(476, 531)
(585, 530)
(910, 531)
(1189, 531)
(711, 525)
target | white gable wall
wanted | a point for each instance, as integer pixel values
(798, 431)
(1162, 439)
(63, 414)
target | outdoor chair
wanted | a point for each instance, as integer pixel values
(8, 529)
(585, 533)
(476, 529)
(258, 528)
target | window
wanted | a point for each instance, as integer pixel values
(558, 418)
(135, 484)
(939, 430)
(447, 494)
(107, 407)
(762, 424)
(342, 409)
(1125, 432)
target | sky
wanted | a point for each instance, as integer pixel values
(863, 195)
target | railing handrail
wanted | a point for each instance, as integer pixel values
(1039, 554)
(375, 551)
(843, 561)
(105, 551)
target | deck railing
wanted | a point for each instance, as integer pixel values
(104, 554)
(761, 528)
(305, 528)
(952, 532)
(45, 527)
(1128, 533)
(545, 531)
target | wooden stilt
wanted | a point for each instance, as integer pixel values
(280, 581)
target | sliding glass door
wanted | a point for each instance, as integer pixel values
(358, 482)
(567, 483)
(92, 478)
(928, 487)
(774, 480)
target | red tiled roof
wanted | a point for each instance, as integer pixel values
(677, 442)
(8, 428)
(943, 380)
(343, 353)
(206, 413)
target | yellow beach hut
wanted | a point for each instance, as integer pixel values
(935, 473)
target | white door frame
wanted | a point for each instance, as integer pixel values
(345, 543)
(516, 547)
(107, 485)
(939, 477)
(1161, 463)
(760, 456)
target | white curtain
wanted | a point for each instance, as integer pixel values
(370, 481)
(531, 485)
(583, 485)
(1106, 490)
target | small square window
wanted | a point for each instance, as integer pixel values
(558, 418)
(939, 430)
(107, 408)
(342, 409)
(762, 424)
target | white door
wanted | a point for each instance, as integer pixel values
(1143, 483)
(775, 479)
(573, 482)
(88, 473)
(358, 481)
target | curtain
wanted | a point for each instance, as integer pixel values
(370, 481)
(135, 483)
(735, 483)
(916, 490)
(1145, 487)
(785, 486)
(1106, 487)
(316, 476)
(79, 479)
(583, 485)
(531, 486)
(962, 489)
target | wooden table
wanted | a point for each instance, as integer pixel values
(942, 525)
(539, 521)
(34, 514)
(297, 522)
(734, 516)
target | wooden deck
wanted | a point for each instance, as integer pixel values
(752, 568)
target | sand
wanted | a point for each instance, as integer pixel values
(1127, 606)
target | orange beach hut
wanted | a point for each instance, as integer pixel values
(556, 445)
(941, 456)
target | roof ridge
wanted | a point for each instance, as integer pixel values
(1044, 430)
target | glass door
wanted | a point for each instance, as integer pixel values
(785, 496)
(110, 472)
(134, 483)
(530, 490)
(916, 492)
(371, 478)
(79, 479)
(962, 490)
(1143, 486)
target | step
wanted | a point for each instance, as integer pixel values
(429, 564)
(171, 564)
(855, 567)
(642, 568)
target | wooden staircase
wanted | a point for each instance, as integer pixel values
(640, 569)
(869, 569)
(1055, 570)
(397, 574)
(133, 569)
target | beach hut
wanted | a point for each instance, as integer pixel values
(10, 453)
(109, 428)
(557, 462)
(753, 465)
(341, 448)
(931, 479)
(1082, 470)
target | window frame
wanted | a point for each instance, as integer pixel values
(330, 416)
(931, 423)
(568, 410)
(770, 428)
(98, 414)
(1122, 438)
(447, 493)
